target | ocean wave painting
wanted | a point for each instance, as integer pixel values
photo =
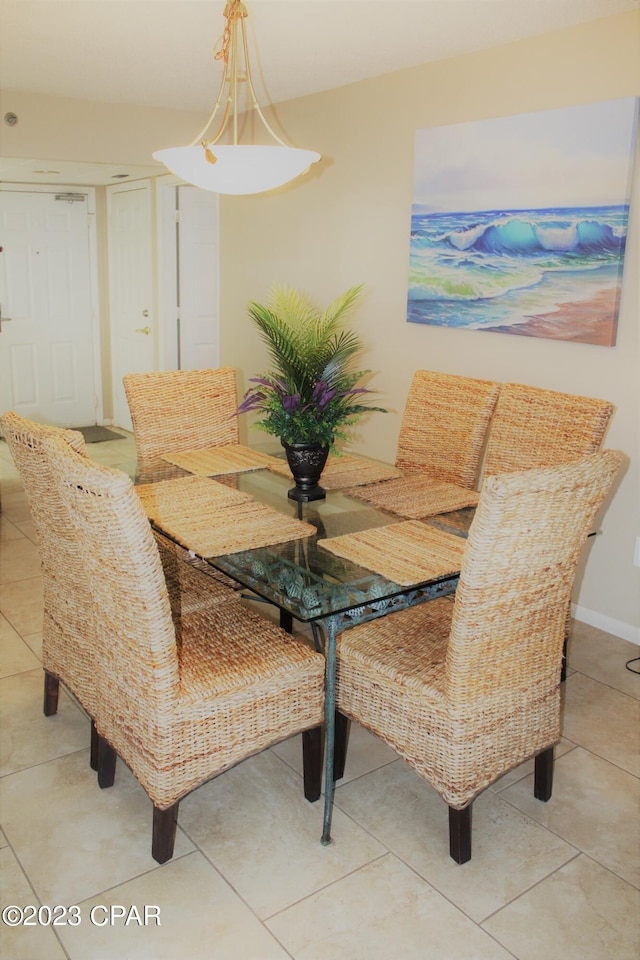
(519, 225)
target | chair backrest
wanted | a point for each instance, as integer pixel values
(505, 647)
(532, 427)
(176, 410)
(136, 640)
(444, 426)
(67, 620)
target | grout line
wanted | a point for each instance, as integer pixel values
(332, 883)
(37, 899)
(604, 683)
(578, 853)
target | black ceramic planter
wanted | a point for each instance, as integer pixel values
(306, 461)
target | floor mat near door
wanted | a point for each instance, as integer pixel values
(97, 434)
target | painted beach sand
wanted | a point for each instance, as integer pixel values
(585, 321)
(553, 273)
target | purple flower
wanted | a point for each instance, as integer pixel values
(252, 400)
(290, 403)
(263, 381)
(322, 395)
(351, 393)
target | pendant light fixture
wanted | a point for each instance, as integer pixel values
(233, 167)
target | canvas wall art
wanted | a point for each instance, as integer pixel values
(519, 224)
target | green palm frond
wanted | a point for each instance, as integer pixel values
(312, 355)
(343, 306)
(282, 347)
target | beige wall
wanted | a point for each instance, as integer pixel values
(54, 128)
(348, 222)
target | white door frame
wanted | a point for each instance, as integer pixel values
(150, 353)
(167, 247)
(93, 268)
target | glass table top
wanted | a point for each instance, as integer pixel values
(300, 577)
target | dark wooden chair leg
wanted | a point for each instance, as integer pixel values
(286, 621)
(565, 646)
(543, 775)
(164, 832)
(563, 669)
(312, 743)
(106, 763)
(460, 834)
(51, 690)
(95, 741)
(343, 725)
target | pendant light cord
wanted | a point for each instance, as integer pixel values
(221, 48)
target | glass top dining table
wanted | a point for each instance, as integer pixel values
(310, 584)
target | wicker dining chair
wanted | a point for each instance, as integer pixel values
(532, 427)
(465, 689)
(444, 425)
(177, 410)
(180, 703)
(68, 626)
(66, 622)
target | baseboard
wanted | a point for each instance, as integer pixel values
(617, 627)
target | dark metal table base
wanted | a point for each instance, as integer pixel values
(333, 625)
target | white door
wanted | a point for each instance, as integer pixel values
(132, 306)
(198, 279)
(47, 357)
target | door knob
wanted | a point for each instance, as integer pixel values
(145, 313)
(145, 330)
(3, 319)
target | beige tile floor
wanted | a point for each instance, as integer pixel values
(250, 880)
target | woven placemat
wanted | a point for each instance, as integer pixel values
(212, 519)
(344, 471)
(406, 553)
(171, 498)
(216, 461)
(416, 496)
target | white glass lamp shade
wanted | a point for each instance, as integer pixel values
(239, 169)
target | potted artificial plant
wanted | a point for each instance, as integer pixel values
(310, 398)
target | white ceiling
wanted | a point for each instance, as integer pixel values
(159, 52)
(74, 174)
